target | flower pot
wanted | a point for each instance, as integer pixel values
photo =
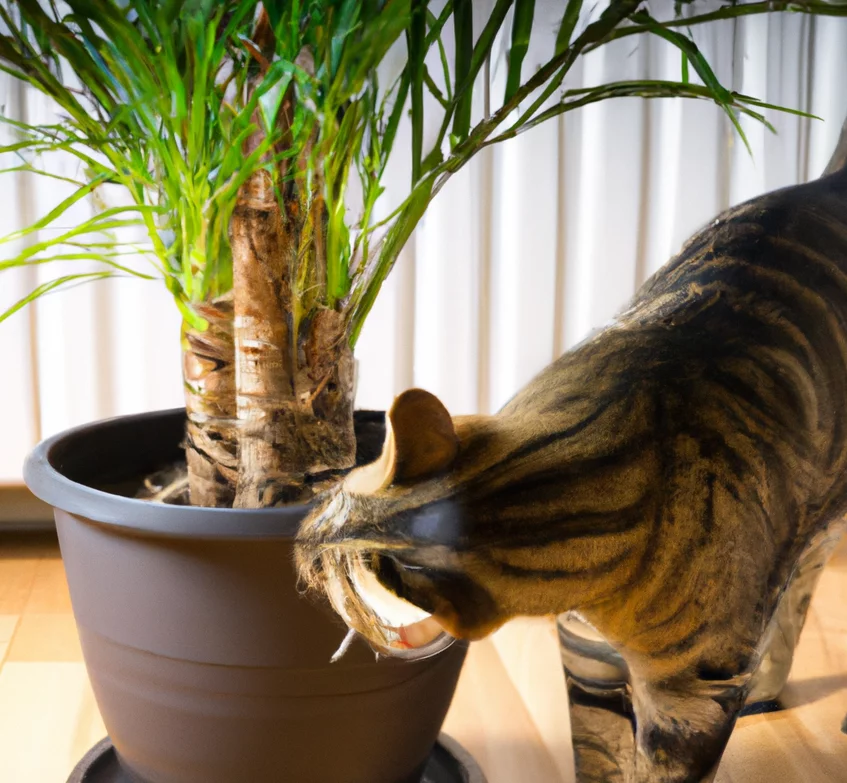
(207, 664)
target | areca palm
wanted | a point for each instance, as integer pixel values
(242, 132)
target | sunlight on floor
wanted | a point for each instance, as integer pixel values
(509, 711)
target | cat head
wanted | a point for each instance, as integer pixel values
(401, 521)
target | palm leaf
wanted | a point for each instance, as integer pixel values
(160, 106)
(415, 41)
(568, 24)
(521, 31)
(61, 282)
(463, 35)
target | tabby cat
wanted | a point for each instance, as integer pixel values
(676, 483)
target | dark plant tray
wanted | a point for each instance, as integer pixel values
(449, 762)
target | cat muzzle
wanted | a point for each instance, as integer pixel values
(391, 626)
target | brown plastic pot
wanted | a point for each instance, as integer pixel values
(207, 664)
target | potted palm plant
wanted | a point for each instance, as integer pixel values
(248, 143)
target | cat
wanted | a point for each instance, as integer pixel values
(675, 483)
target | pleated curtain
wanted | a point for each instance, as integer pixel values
(526, 250)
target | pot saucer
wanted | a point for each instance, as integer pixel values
(449, 762)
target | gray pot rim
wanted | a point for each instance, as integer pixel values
(46, 481)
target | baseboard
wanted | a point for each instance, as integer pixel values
(21, 510)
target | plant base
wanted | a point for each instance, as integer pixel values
(449, 762)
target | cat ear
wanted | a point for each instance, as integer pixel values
(420, 441)
(425, 442)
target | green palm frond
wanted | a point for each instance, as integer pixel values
(160, 99)
(66, 281)
(527, 100)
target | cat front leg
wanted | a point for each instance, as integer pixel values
(683, 727)
(600, 706)
(627, 728)
(602, 732)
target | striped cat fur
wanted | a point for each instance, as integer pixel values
(677, 481)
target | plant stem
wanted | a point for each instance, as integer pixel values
(294, 376)
(209, 378)
(293, 366)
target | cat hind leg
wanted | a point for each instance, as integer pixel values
(783, 635)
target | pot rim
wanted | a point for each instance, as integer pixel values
(46, 481)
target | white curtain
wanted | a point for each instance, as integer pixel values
(524, 251)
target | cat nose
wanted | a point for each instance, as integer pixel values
(438, 523)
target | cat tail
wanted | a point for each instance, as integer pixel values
(838, 161)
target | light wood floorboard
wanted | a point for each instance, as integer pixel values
(510, 709)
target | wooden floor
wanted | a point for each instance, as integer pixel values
(509, 710)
